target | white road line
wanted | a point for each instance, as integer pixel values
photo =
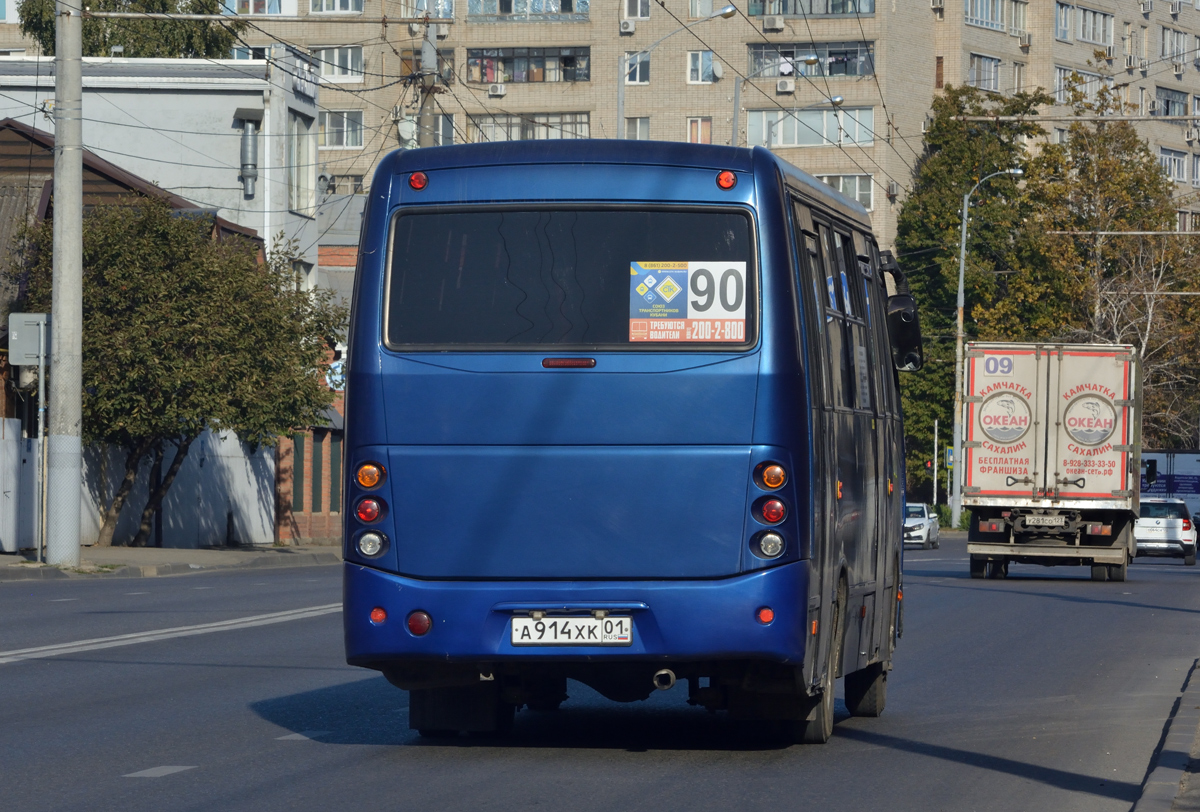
(41, 652)
(137, 593)
(62, 600)
(157, 772)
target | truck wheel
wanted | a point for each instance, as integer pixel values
(1116, 572)
(1190, 560)
(978, 566)
(1099, 572)
(997, 569)
(866, 691)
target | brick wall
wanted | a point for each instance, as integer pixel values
(308, 486)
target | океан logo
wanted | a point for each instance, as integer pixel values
(1090, 419)
(1005, 417)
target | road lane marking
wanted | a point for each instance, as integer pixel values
(41, 652)
(157, 772)
(137, 593)
(307, 735)
(62, 600)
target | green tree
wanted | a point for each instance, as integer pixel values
(164, 39)
(957, 154)
(184, 333)
(1106, 287)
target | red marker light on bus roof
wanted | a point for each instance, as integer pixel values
(726, 179)
(568, 363)
(418, 180)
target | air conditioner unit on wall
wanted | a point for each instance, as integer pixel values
(785, 86)
(1147, 6)
(1143, 65)
(1131, 61)
(1176, 7)
(937, 5)
(773, 23)
(442, 30)
(628, 26)
(1026, 40)
(893, 190)
(1109, 52)
(1178, 68)
(1192, 135)
(496, 90)
(1152, 106)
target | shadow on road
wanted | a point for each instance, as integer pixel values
(1061, 779)
(372, 712)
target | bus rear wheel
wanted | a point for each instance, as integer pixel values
(818, 726)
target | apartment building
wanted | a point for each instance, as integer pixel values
(1146, 49)
(557, 69)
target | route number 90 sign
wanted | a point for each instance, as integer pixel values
(687, 301)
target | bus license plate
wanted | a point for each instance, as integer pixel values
(572, 631)
(1046, 521)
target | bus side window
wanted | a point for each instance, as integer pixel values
(840, 368)
(877, 323)
(856, 331)
(811, 297)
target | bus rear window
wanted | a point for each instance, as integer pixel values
(571, 278)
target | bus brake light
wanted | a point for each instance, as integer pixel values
(368, 510)
(773, 511)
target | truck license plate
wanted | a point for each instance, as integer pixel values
(1046, 521)
(572, 631)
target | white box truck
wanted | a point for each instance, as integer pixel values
(1051, 462)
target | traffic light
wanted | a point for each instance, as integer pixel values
(929, 465)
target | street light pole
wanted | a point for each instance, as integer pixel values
(956, 476)
(835, 101)
(811, 59)
(623, 61)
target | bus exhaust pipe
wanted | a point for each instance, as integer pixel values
(664, 680)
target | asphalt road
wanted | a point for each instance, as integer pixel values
(1042, 692)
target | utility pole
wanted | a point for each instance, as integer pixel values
(429, 76)
(66, 339)
(935, 461)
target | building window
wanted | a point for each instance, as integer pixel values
(833, 59)
(1174, 44)
(487, 65)
(853, 126)
(805, 8)
(318, 462)
(1017, 17)
(637, 129)
(855, 187)
(297, 473)
(1066, 80)
(1128, 43)
(529, 127)
(700, 8)
(346, 185)
(340, 128)
(445, 129)
(244, 7)
(1181, 221)
(1095, 27)
(335, 473)
(1173, 163)
(638, 65)
(637, 9)
(343, 64)
(255, 52)
(410, 64)
(700, 67)
(302, 165)
(528, 10)
(984, 73)
(1060, 135)
(699, 130)
(1196, 171)
(985, 13)
(1171, 102)
(336, 6)
(1196, 106)
(1062, 21)
(1018, 77)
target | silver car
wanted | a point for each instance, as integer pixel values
(921, 526)
(1163, 528)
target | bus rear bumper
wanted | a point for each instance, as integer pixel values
(672, 620)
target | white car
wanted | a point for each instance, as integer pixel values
(1163, 528)
(921, 526)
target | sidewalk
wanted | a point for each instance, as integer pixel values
(146, 562)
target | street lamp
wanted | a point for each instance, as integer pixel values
(836, 101)
(811, 59)
(725, 13)
(956, 497)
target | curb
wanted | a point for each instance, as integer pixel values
(17, 573)
(1162, 785)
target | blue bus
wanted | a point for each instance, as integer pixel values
(623, 413)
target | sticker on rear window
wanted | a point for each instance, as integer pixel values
(687, 301)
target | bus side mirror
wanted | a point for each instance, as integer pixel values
(904, 325)
(1151, 473)
(904, 328)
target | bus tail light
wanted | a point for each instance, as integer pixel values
(419, 623)
(368, 510)
(1106, 529)
(770, 476)
(371, 544)
(768, 545)
(370, 475)
(773, 511)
